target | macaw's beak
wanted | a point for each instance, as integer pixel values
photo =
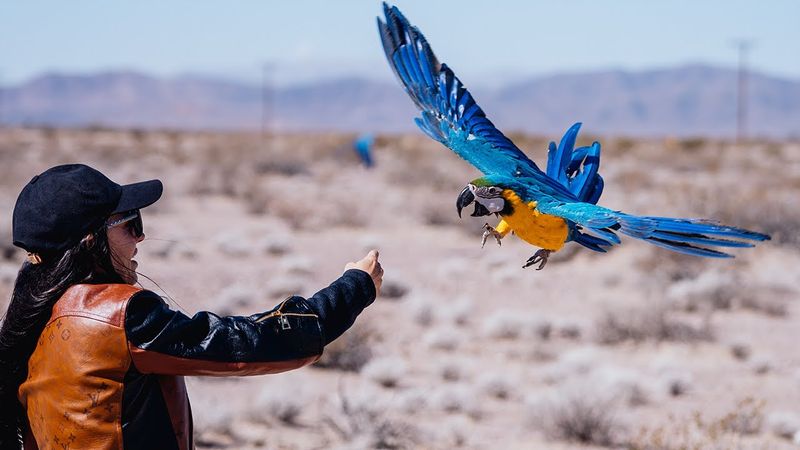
(464, 199)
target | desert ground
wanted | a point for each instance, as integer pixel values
(639, 348)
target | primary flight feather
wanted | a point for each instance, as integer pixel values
(545, 209)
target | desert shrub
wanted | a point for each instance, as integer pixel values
(497, 385)
(697, 432)
(235, 299)
(638, 325)
(625, 385)
(740, 351)
(393, 289)
(764, 302)
(746, 418)
(274, 245)
(233, 244)
(452, 371)
(587, 418)
(351, 352)
(422, 312)
(459, 399)
(569, 330)
(281, 405)
(543, 329)
(364, 421)
(718, 291)
(678, 383)
(285, 168)
(279, 288)
(444, 338)
(461, 310)
(412, 401)
(297, 266)
(784, 424)
(386, 371)
(504, 325)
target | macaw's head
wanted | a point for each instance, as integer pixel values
(488, 199)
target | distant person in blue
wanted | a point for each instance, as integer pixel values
(363, 147)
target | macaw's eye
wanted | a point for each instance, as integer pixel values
(493, 190)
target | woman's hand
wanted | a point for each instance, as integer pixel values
(370, 265)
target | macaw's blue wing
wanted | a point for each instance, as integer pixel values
(576, 169)
(449, 113)
(690, 236)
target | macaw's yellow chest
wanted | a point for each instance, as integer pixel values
(542, 230)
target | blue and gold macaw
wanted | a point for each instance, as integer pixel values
(545, 209)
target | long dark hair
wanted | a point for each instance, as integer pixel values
(36, 290)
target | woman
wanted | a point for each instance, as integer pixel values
(88, 361)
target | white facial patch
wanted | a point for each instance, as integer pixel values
(492, 204)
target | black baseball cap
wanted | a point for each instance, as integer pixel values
(57, 208)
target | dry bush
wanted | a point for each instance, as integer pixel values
(235, 299)
(393, 289)
(274, 245)
(364, 422)
(504, 325)
(784, 424)
(444, 338)
(452, 371)
(678, 383)
(281, 405)
(740, 351)
(579, 416)
(233, 243)
(718, 434)
(279, 288)
(718, 291)
(459, 399)
(569, 330)
(498, 385)
(351, 351)
(422, 311)
(648, 324)
(543, 329)
(746, 418)
(387, 371)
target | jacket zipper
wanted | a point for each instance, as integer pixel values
(282, 316)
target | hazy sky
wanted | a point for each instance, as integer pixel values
(484, 41)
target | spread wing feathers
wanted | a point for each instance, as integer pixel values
(576, 169)
(690, 236)
(449, 113)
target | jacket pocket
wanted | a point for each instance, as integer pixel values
(290, 307)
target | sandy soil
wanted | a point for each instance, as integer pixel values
(638, 348)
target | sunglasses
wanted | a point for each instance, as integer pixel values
(133, 219)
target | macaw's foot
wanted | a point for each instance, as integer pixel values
(489, 231)
(539, 257)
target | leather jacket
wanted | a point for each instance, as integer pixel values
(107, 372)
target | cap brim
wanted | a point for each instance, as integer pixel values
(139, 195)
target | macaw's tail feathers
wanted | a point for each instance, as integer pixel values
(576, 169)
(689, 236)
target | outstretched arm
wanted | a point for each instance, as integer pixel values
(287, 337)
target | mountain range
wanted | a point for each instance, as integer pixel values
(694, 100)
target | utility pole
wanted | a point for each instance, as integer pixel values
(266, 105)
(2, 92)
(743, 46)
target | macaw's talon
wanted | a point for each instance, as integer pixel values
(539, 257)
(489, 231)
